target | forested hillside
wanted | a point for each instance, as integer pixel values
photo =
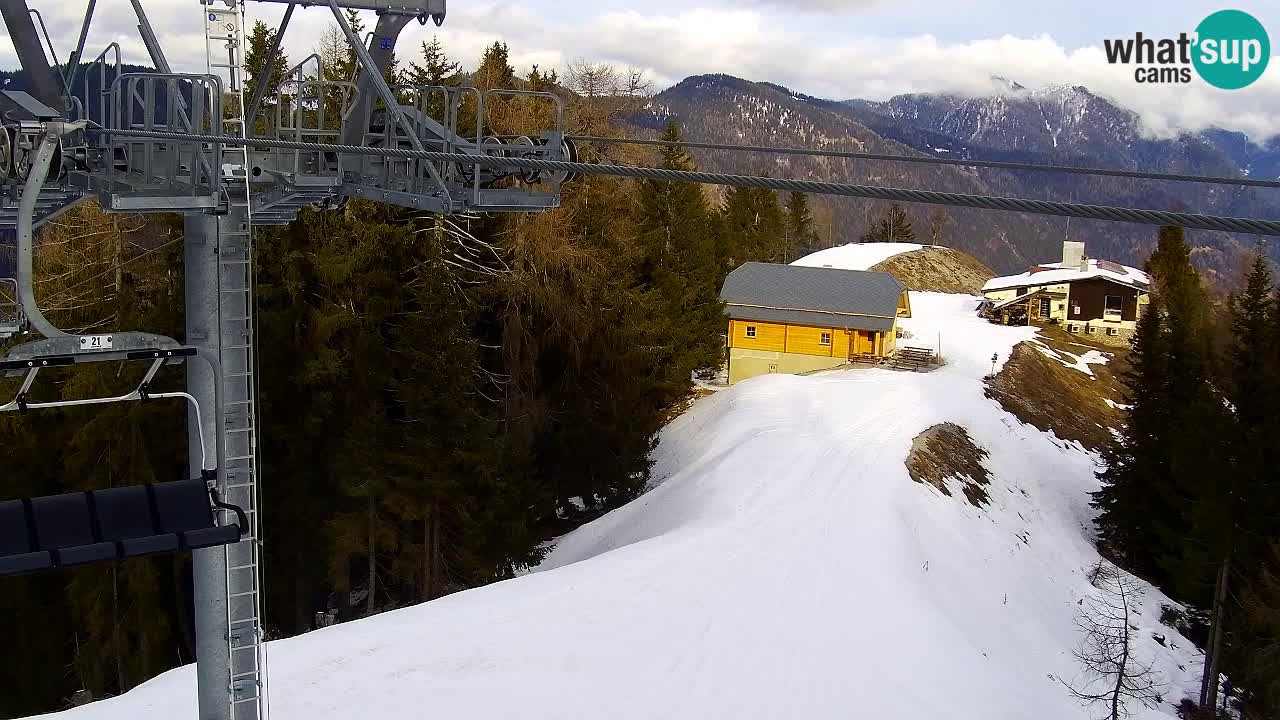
(439, 396)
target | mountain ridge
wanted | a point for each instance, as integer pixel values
(1062, 125)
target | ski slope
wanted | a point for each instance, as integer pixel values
(856, 256)
(783, 565)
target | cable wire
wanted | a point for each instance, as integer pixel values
(1007, 165)
(985, 202)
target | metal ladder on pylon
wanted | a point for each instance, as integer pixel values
(247, 681)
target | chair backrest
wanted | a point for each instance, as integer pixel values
(15, 533)
(182, 505)
(125, 513)
(111, 524)
(63, 521)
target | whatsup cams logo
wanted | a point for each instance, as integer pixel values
(1229, 50)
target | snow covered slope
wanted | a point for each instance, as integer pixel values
(855, 256)
(783, 565)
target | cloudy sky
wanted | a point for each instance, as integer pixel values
(830, 48)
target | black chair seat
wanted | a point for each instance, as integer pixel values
(25, 563)
(127, 517)
(209, 537)
(115, 523)
(154, 545)
(18, 553)
(183, 508)
(81, 554)
(63, 521)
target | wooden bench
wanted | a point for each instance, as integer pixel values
(911, 358)
(867, 358)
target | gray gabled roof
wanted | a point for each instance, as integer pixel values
(821, 296)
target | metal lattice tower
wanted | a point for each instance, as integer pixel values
(246, 679)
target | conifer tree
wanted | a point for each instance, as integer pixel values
(494, 73)
(256, 64)
(1258, 657)
(681, 270)
(1165, 506)
(893, 226)
(1136, 466)
(1254, 392)
(801, 238)
(1195, 541)
(1253, 388)
(436, 67)
(495, 69)
(754, 226)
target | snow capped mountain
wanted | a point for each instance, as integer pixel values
(1071, 125)
(1043, 120)
(725, 109)
(1064, 125)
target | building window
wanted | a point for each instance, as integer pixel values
(751, 331)
(1022, 291)
(1114, 307)
(1073, 328)
(1075, 307)
(1044, 307)
(1113, 331)
(1091, 330)
(824, 339)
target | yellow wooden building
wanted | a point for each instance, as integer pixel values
(793, 319)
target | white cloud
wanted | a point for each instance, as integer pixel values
(756, 44)
(816, 5)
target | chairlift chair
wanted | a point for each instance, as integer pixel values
(55, 531)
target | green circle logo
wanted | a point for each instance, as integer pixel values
(1232, 49)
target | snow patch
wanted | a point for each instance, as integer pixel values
(1072, 360)
(1061, 273)
(856, 256)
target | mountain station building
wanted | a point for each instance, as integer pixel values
(794, 319)
(1098, 299)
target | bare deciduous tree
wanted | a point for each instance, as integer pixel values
(939, 221)
(604, 94)
(83, 257)
(1112, 675)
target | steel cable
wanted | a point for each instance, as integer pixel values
(1003, 164)
(985, 202)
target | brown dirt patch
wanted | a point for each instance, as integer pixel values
(938, 269)
(944, 455)
(1050, 396)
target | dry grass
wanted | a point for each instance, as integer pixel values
(945, 454)
(938, 269)
(1046, 394)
